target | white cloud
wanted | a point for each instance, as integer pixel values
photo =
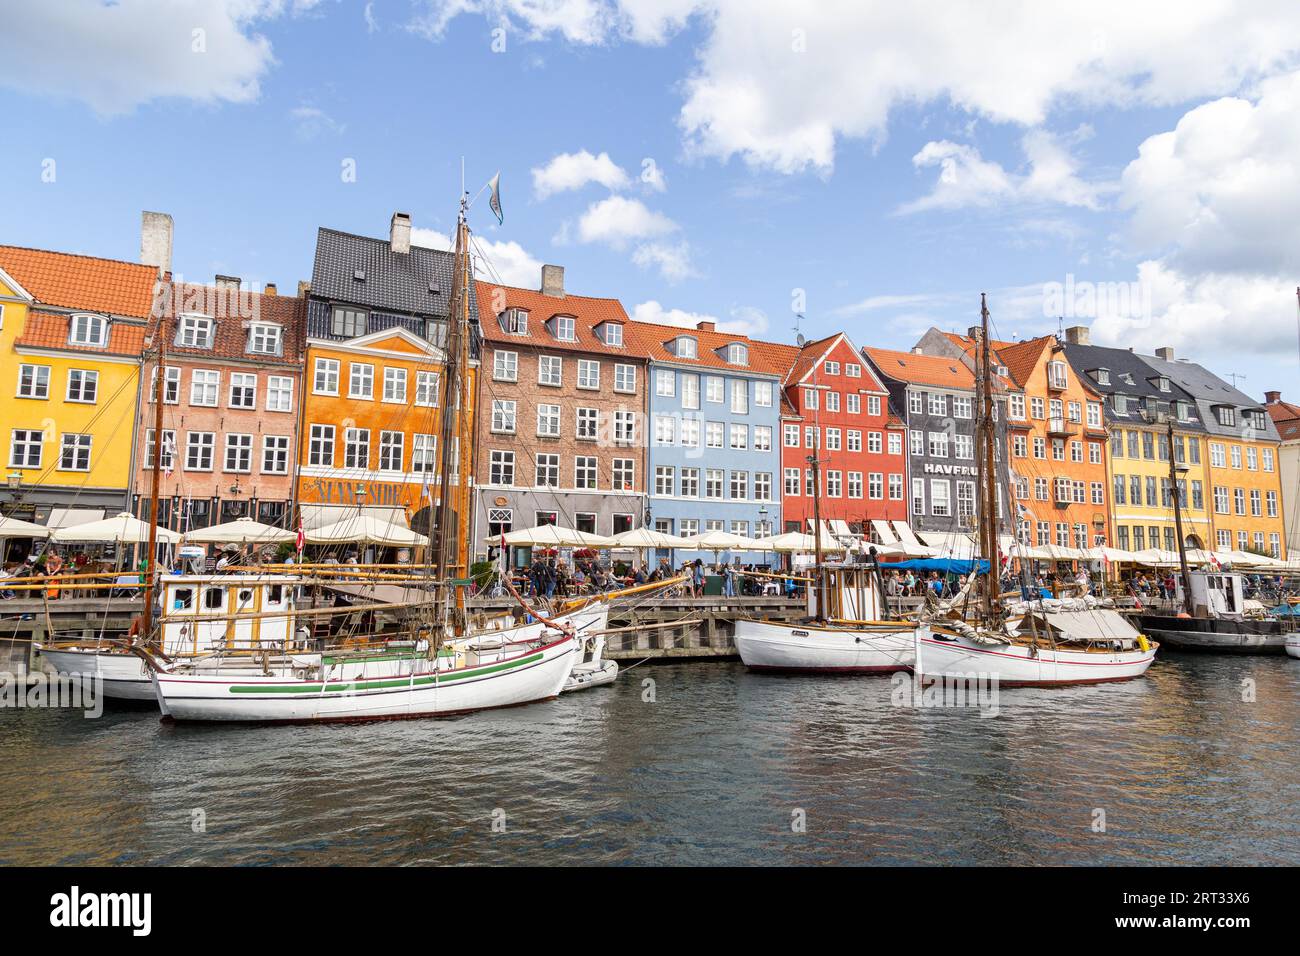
(372, 23)
(569, 171)
(742, 320)
(672, 259)
(117, 56)
(967, 179)
(495, 260)
(618, 220)
(311, 122)
(779, 83)
(876, 303)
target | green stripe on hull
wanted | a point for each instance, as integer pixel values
(382, 684)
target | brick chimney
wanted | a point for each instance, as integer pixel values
(553, 281)
(917, 350)
(1272, 398)
(1077, 335)
(399, 233)
(705, 326)
(228, 283)
(303, 288)
(1166, 353)
(156, 240)
(270, 289)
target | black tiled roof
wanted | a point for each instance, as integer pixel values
(1130, 375)
(393, 282)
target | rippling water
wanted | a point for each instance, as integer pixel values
(710, 772)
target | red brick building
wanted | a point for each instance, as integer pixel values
(230, 407)
(836, 408)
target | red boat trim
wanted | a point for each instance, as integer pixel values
(975, 650)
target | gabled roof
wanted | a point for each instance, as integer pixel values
(1021, 358)
(1209, 391)
(1123, 365)
(70, 281)
(914, 369)
(49, 330)
(231, 336)
(415, 283)
(1286, 418)
(651, 341)
(810, 355)
(588, 312)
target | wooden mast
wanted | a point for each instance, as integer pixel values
(818, 575)
(160, 375)
(988, 478)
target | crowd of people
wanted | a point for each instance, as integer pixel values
(550, 577)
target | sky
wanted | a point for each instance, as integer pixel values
(809, 165)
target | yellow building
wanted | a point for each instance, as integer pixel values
(71, 334)
(1143, 509)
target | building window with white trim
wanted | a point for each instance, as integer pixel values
(205, 387)
(239, 453)
(33, 381)
(25, 446)
(83, 386)
(275, 454)
(320, 448)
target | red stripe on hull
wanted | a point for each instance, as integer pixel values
(883, 669)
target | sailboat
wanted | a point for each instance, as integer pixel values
(1036, 648)
(445, 664)
(844, 632)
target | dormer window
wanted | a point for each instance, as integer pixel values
(514, 322)
(88, 330)
(1000, 370)
(738, 354)
(1056, 375)
(1121, 404)
(564, 328)
(195, 332)
(612, 334)
(1162, 383)
(1227, 415)
(1103, 376)
(685, 347)
(348, 322)
(265, 339)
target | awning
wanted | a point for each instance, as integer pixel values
(318, 516)
(904, 532)
(1094, 624)
(883, 531)
(71, 517)
(13, 528)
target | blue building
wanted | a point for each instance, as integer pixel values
(713, 431)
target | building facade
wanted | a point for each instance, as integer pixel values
(561, 437)
(230, 406)
(370, 423)
(72, 329)
(835, 408)
(713, 457)
(1286, 419)
(934, 396)
(1242, 474)
(1138, 405)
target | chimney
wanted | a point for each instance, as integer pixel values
(917, 350)
(1077, 335)
(1165, 353)
(156, 241)
(228, 283)
(303, 288)
(399, 232)
(704, 326)
(1272, 398)
(270, 289)
(553, 281)
(973, 332)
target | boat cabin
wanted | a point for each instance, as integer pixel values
(1216, 594)
(198, 612)
(851, 594)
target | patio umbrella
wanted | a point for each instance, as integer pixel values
(13, 528)
(549, 536)
(646, 538)
(719, 541)
(798, 542)
(366, 529)
(241, 531)
(121, 528)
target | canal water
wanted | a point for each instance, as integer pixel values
(708, 764)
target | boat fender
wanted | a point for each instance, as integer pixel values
(1143, 643)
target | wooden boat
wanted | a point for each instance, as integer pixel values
(1217, 620)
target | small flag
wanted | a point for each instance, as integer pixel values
(301, 537)
(494, 200)
(169, 453)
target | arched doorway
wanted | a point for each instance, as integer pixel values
(1193, 541)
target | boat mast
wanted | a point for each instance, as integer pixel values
(1178, 519)
(988, 477)
(441, 535)
(160, 375)
(818, 583)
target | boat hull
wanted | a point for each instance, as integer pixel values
(409, 692)
(1214, 635)
(784, 648)
(1293, 645)
(953, 655)
(590, 674)
(122, 676)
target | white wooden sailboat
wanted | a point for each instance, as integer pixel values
(1041, 648)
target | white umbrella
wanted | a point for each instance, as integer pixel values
(720, 541)
(241, 531)
(122, 528)
(1155, 557)
(549, 536)
(796, 542)
(366, 529)
(1114, 555)
(13, 528)
(646, 538)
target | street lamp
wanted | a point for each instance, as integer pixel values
(1154, 417)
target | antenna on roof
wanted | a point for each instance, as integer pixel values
(798, 336)
(1234, 376)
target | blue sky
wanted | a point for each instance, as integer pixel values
(885, 165)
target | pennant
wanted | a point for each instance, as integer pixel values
(302, 539)
(494, 199)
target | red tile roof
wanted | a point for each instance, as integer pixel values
(808, 356)
(1286, 416)
(233, 313)
(1021, 358)
(49, 330)
(587, 311)
(922, 369)
(651, 340)
(82, 282)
